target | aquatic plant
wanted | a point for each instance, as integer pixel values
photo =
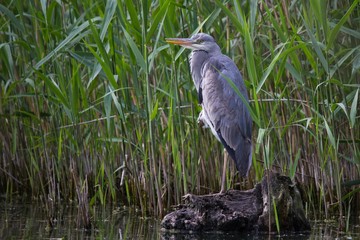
(94, 101)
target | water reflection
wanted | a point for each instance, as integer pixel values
(29, 221)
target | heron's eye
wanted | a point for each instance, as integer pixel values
(199, 41)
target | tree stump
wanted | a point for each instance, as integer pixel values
(243, 210)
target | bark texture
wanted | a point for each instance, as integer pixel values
(243, 210)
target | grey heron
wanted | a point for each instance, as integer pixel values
(223, 110)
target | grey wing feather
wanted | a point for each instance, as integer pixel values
(200, 98)
(226, 110)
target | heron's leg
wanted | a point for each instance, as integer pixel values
(223, 177)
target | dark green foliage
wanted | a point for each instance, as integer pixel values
(94, 102)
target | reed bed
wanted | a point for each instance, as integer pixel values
(96, 108)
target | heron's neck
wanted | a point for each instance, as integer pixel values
(197, 59)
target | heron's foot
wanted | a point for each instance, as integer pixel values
(187, 197)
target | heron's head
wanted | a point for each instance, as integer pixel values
(199, 41)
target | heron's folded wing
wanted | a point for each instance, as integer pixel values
(226, 109)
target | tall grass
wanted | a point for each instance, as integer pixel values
(95, 104)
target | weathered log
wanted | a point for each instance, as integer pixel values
(243, 210)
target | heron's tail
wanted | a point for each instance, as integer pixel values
(243, 157)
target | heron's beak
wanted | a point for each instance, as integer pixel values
(180, 41)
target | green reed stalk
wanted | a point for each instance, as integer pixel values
(92, 90)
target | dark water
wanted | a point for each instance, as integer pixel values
(29, 221)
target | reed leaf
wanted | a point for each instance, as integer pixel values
(334, 32)
(276, 216)
(98, 109)
(354, 108)
(139, 57)
(67, 41)
(12, 18)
